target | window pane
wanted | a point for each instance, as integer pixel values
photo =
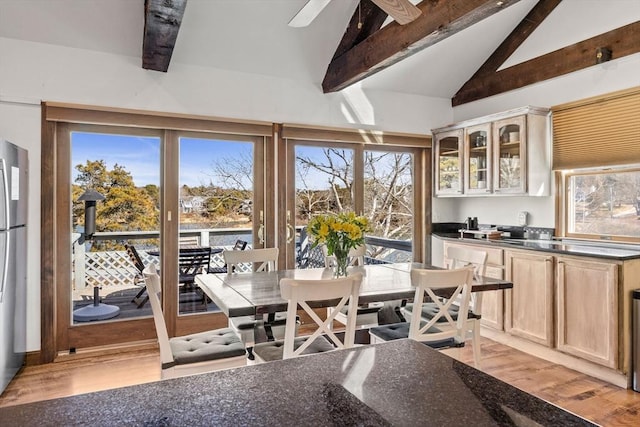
(324, 184)
(216, 201)
(605, 204)
(125, 169)
(388, 202)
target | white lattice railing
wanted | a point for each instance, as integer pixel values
(114, 268)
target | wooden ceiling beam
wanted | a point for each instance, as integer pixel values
(391, 44)
(162, 21)
(534, 18)
(622, 41)
(371, 18)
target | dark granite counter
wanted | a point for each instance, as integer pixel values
(555, 246)
(397, 383)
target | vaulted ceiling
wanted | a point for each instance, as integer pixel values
(368, 47)
(458, 49)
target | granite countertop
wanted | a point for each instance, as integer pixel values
(597, 250)
(397, 383)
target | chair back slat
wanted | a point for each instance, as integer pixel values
(267, 258)
(240, 245)
(134, 256)
(460, 257)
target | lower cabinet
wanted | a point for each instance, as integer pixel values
(571, 304)
(529, 305)
(587, 301)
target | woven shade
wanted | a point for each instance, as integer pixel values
(602, 131)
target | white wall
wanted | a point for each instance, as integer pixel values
(31, 72)
(600, 79)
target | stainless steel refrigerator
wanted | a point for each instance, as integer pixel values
(13, 260)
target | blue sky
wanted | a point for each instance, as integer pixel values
(198, 158)
(141, 156)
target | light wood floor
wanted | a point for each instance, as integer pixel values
(93, 371)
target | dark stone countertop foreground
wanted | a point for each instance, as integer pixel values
(397, 383)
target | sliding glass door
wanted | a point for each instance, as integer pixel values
(138, 197)
(217, 205)
(379, 184)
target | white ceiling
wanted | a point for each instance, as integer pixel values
(252, 36)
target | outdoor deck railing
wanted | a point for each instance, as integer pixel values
(114, 268)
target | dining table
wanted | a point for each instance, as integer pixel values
(258, 293)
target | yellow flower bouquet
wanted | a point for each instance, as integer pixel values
(340, 233)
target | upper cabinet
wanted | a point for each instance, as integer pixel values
(510, 155)
(448, 172)
(503, 154)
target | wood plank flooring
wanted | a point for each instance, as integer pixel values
(101, 370)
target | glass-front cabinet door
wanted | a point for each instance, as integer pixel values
(509, 136)
(477, 165)
(448, 167)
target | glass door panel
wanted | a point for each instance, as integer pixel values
(323, 184)
(478, 160)
(388, 203)
(448, 166)
(216, 200)
(121, 176)
(510, 138)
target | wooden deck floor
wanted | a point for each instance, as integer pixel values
(93, 371)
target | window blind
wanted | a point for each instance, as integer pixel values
(600, 131)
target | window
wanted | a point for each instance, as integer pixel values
(603, 204)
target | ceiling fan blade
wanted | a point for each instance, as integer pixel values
(308, 13)
(403, 11)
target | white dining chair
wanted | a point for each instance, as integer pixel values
(457, 257)
(246, 326)
(267, 257)
(299, 293)
(442, 331)
(194, 353)
(368, 314)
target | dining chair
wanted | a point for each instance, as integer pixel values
(299, 293)
(240, 245)
(138, 279)
(194, 353)
(267, 258)
(273, 326)
(436, 333)
(367, 314)
(192, 261)
(457, 257)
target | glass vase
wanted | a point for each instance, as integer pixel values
(342, 262)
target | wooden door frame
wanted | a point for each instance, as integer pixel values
(56, 332)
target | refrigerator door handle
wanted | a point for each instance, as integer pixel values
(5, 265)
(7, 208)
(6, 202)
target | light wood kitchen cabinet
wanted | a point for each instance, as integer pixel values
(510, 155)
(587, 307)
(529, 305)
(478, 159)
(448, 171)
(568, 308)
(492, 302)
(507, 153)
